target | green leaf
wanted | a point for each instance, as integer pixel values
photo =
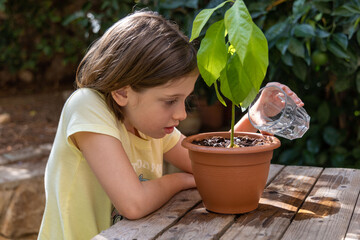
(296, 48)
(298, 6)
(234, 83)
(73, 17)
(276, 30)
(323, 113)
(346, 10)
(287, 59)
(309, 158)
(331, 136)
(358, 36)
(192, 4)
(341, 39)
(169, 4)
(321, 33)
(342, 84)
(300, 69)
(249, 98)
(257, 58)
(212, 55)
(313, 145)
(239, 26)
(202, 18)
(288, 156)
(304, 30)
(337, 160)
(218, 95)
(337, 50)
(282, 45)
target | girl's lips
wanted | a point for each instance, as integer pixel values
(169, 130)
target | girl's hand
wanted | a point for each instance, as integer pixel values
(244, 125)
(268, 95)
(289, 92)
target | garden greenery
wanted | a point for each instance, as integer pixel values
(314, 47)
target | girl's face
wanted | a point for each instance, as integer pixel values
(156, 111)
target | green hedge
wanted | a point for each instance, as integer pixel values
(314, 47)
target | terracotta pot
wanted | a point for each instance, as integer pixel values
(230, 180)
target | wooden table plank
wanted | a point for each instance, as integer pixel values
(198, 224)
(275, 169)
(201, 224)
(354, 228)
(150, 226)
(327, 211)
(278, 204)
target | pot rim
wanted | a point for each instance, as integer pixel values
(187, 143)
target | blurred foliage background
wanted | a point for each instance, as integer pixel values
(314, 48)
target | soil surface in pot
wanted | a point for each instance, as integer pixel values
(241, 141)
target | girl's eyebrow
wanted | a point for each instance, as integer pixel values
(177, 95)
(174, 95)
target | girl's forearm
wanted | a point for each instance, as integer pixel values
(244, 125)
(156, 193)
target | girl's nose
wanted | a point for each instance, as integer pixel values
(180, 113)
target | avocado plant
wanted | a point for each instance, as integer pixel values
(233, 54)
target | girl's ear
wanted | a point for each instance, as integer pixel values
(121, 96)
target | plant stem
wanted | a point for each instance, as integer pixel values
(232, 124)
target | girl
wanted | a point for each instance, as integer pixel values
(115, 130)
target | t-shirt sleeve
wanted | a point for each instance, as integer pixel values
(86, 111)
(170, 140)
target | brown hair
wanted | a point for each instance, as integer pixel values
(142, 50)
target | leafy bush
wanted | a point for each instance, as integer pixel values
(314, 47)
(34, 34)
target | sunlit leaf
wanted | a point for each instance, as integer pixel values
(202, 18)
(239, 26)
(212, 55)
(234, 83)
(249, 98)
(218, 95)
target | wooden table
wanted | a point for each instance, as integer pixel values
(298, 203)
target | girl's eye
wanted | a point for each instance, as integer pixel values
(171, 102)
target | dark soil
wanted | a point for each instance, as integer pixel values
(244, 141)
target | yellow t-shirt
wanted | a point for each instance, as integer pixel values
(77, 207)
